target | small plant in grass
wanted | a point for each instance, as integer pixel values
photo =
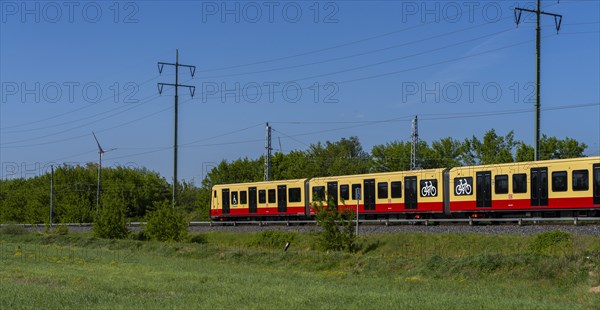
(273, 239)
(165, 223)
(198, 238)
(338, 230)
(555, 241)
(12, 229)
(552, 242)
(57, 230)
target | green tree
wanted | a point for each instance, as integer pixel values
(393, 156)
(448, 152)
(552, 148)
(494, 149)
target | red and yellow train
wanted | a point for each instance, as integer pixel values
(566, 187)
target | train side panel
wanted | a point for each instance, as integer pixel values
(567, 186)
(259, 200)
(391, 193)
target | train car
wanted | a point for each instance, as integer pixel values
(566, 187)
(259, 200)
(404, 194)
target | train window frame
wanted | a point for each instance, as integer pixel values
(560, 175)
(382, 188)
(519, 186)
(501, 184)
(234, 198)
(318, 193)
(345, 192)
(396, 189)
(294, 194)
(354, 187)
(271, 195)
(586, 180)
(243, 197)
(262, 196)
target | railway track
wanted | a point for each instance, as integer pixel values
(576, 225)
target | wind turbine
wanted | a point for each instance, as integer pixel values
(101, 151)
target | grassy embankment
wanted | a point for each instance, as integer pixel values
(251, 270)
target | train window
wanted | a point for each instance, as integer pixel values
(382, 190)
(428, 188)
(559, 181)
(519, 183)
(234, 198)
(397, 189)
(318, 193)
(215, 194)
(262, 196)
(271, 196)
(243, 197)
(464, 186)
(580, 180)
(344, 192)
(295, 194)
(354, 188)
(501, 182)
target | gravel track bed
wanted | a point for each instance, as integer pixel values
(593, 230)
(587, 229)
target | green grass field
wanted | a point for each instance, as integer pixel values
(251, 270)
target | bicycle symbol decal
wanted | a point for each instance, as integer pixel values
(428, 189)
(463, 188)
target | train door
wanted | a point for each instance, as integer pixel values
(410, 192)
(369, 195)
(252, 205)
(225, 200)
(483, 189)
(281, 199)
(596, 184)
(332, 193)
(539, 187)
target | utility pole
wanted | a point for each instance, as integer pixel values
(415, 143)
(557, 22)
(268, 153)
(176, 85)
(51, 195)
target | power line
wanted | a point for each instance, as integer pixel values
(83, 125)
(353, 55)
(68, 112)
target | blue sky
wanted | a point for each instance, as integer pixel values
(316, 72)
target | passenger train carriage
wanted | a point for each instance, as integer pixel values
(260, 199)
(558, 187)
(390, 193)
(564, 187)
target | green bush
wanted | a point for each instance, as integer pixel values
(139, 236)
(12, 229)
(552, 242)
(111, 222)
(273, 239)
(338, 232)
(59, 230)
(165, 223)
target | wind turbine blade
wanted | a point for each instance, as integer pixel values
(99, 147)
